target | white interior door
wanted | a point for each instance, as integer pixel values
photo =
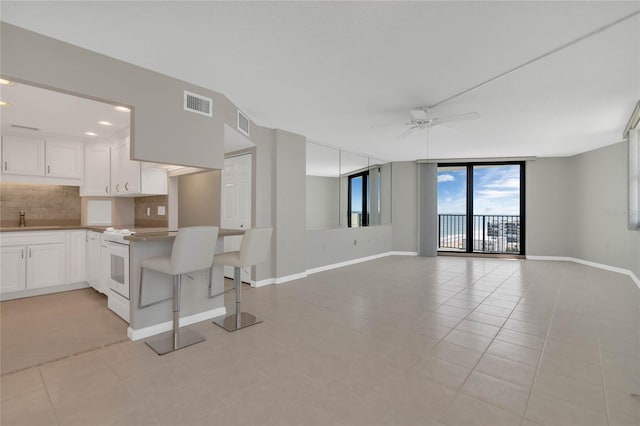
(236, 204)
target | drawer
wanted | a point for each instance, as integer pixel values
(25, 238)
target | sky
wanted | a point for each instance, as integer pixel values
(496, 190)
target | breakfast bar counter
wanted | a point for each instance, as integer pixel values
(196, 305)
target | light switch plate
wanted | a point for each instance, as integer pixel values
(161, 211)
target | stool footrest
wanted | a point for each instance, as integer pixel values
(235, 322)
(164, 343)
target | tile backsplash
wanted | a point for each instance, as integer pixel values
(152, 203)
(43, 204)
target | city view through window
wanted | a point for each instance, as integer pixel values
(489, 212)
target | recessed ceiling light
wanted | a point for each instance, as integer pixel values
(121, 108)
(90, 134)
(3, 103)
(105, 123)
(6, 82)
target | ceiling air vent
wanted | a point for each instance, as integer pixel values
(243, 123)
(198, 104)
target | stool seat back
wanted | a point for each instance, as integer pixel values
(193, 249)
(255, 246)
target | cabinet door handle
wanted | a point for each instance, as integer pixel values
(126, 186)
(29, 252)
(49, 169)
(106, 189)
(118, 187)
(5, 165)
(22, 254)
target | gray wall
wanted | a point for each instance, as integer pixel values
(289, 165)
(549, 206)
(161, 131)
(404, 194)
(199, 199)
(600, 192)
(329, 246)
(577, 207)
(323, 195)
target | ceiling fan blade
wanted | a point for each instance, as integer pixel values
(408, 132)
(379, 126)
(418, 114)
(457, 117)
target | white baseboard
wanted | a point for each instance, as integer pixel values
(287, 278)
(359, 260)
(262, 283)
(589, 263)
(403, 253)
(42, 291)
(142, 333)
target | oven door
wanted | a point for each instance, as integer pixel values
(118, 270)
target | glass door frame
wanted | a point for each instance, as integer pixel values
(470, 192)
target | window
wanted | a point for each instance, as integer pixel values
(358, 200)
(481, 207)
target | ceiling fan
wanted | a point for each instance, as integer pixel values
(421, 119)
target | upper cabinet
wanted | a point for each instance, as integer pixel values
(129, 178)
(64, 159)
(39, 157)
(97, 171)
(23, 156)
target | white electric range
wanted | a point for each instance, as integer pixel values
(116, 270)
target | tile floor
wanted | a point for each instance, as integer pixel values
(41, 329)
(395, 341)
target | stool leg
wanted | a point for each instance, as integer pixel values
(238, 284)
(174, 339)
(177, 284)
(239, 319)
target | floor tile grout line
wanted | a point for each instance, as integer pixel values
(485, 352)
(544, 344)
(46, 389)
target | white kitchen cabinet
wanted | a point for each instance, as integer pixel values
(97, 171)
(64, 159)
(23, 156)
(129, 178)
(77, 255)
(94, 261)
(125, 175)
(46, 265)
(12, 276)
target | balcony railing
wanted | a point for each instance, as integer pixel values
(491, 233)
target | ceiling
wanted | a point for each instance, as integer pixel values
(333, 71)
(56, 113)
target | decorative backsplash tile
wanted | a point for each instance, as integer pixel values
(152, 203)
(43, 204)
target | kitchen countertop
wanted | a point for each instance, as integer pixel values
(50, 228)
(163, 235)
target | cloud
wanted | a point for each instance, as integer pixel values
(505, 184)
(446, 178)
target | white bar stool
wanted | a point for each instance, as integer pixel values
(253, 250)
(192, 251)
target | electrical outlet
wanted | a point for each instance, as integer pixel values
(162, 211)
(148, 211)
(355, 242)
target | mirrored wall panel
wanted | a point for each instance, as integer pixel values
(323, 187)
(345, 189)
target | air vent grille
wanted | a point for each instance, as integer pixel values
(198, 104)
(243, 123)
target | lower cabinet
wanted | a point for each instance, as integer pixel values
(34, 260)
(13, 272)
(46, 265)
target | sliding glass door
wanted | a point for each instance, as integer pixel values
(481, 208)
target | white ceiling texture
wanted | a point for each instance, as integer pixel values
(339, 72)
